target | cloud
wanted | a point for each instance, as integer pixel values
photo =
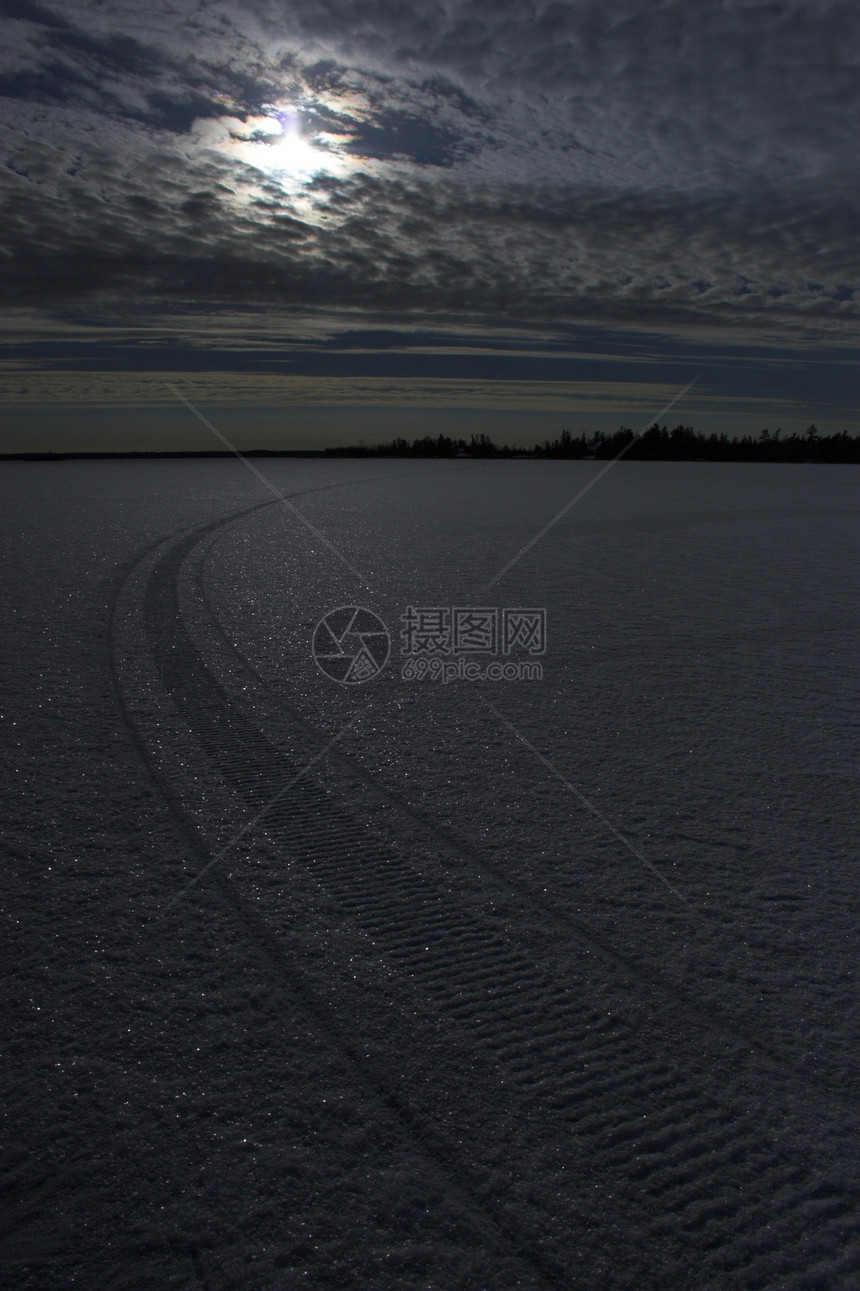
(659, 166)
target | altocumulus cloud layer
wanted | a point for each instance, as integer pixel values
(673, 168)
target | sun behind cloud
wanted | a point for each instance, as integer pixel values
(278, 144)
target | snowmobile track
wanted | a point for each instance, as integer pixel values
(543, 1076)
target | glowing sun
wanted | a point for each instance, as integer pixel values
(278, 145)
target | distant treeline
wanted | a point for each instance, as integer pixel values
(658, 444)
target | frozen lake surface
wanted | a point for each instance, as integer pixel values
(528, 983)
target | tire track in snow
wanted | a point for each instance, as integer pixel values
(152, 721)
(581, 1069)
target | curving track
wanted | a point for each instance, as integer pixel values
(596, 1130)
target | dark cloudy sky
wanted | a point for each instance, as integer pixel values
(327, 220)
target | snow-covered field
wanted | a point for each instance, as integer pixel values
(536, 983)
